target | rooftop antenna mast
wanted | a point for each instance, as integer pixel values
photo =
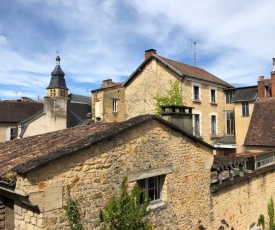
(194, 43)
(15, 94)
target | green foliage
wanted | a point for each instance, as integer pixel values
(261, 221)
(126, 211)
(173, 97)
(270, 211)
(72, 212)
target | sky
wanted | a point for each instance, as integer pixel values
(106, 39)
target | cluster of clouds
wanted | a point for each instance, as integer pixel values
(97, 40)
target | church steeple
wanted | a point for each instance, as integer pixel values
(57, 86)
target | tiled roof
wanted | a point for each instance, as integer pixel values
(195, 72)
(228, 139)
(23, 155)
(183, 70)
(261, 130)
(245, 94)
(79, 98)
(17, 111)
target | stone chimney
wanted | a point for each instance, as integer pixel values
(261, 87)
(180, 116)
(149, 52)
(272, 73)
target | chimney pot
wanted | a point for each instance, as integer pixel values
(149, 52)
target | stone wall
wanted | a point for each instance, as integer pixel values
(95, 174)
(155, 80)
(2, 214)
(240, 205)
(54, 118)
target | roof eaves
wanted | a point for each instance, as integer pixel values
(88, 141)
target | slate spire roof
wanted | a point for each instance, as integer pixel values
(57, 79)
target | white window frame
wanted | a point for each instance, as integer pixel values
(115, 105)
(245, 109)
(216, 128)
(215, 90)
(196, 113)
(194, 84)
(144, 184)
(9, 134)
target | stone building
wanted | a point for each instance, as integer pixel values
(198, 88)
(238, 108)
(93, 160)
(14, 112)
(58, 110)
(108, 102)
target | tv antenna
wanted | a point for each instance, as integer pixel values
(193, 45)
(15, 94)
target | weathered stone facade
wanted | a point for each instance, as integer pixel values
(95, 174)
(103, 104)
(240, 205)
(154, 80)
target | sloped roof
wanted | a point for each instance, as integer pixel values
(17, 111)
(79, 98)
(245, 94)
(261, 129)
(24, 155)
(183, 70)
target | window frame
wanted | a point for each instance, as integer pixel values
(230, 122)
(196, 92)
(115, 105)
(213, 122)
(197, 125)
(228, 96)
(144, 184)
(245, 109)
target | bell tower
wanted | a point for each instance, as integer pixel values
(57, 86)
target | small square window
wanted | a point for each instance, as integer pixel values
(152, 186)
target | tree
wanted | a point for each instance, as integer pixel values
(126, 211)
(270, 211)
(173, 97)
(72, 212)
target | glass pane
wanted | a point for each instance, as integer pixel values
(151, 194)
(151, 182)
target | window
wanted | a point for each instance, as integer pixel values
(230, 123)
(245, 109)
(152, 186)
(196, 92)
(213, 95)
(115, 102)
(12, 133)
(197, 125)
(213, 125)
(228, 96)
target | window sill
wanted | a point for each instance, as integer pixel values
(213, 103)
(196, 101)
(156, 205)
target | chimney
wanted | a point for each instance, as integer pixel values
(149, 52)
(261, 87)
(272, 73)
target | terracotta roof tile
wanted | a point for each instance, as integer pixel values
(195, 72)
(17, 111)
(261, 130)
(23, 155)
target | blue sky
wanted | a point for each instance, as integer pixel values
(102, 39)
